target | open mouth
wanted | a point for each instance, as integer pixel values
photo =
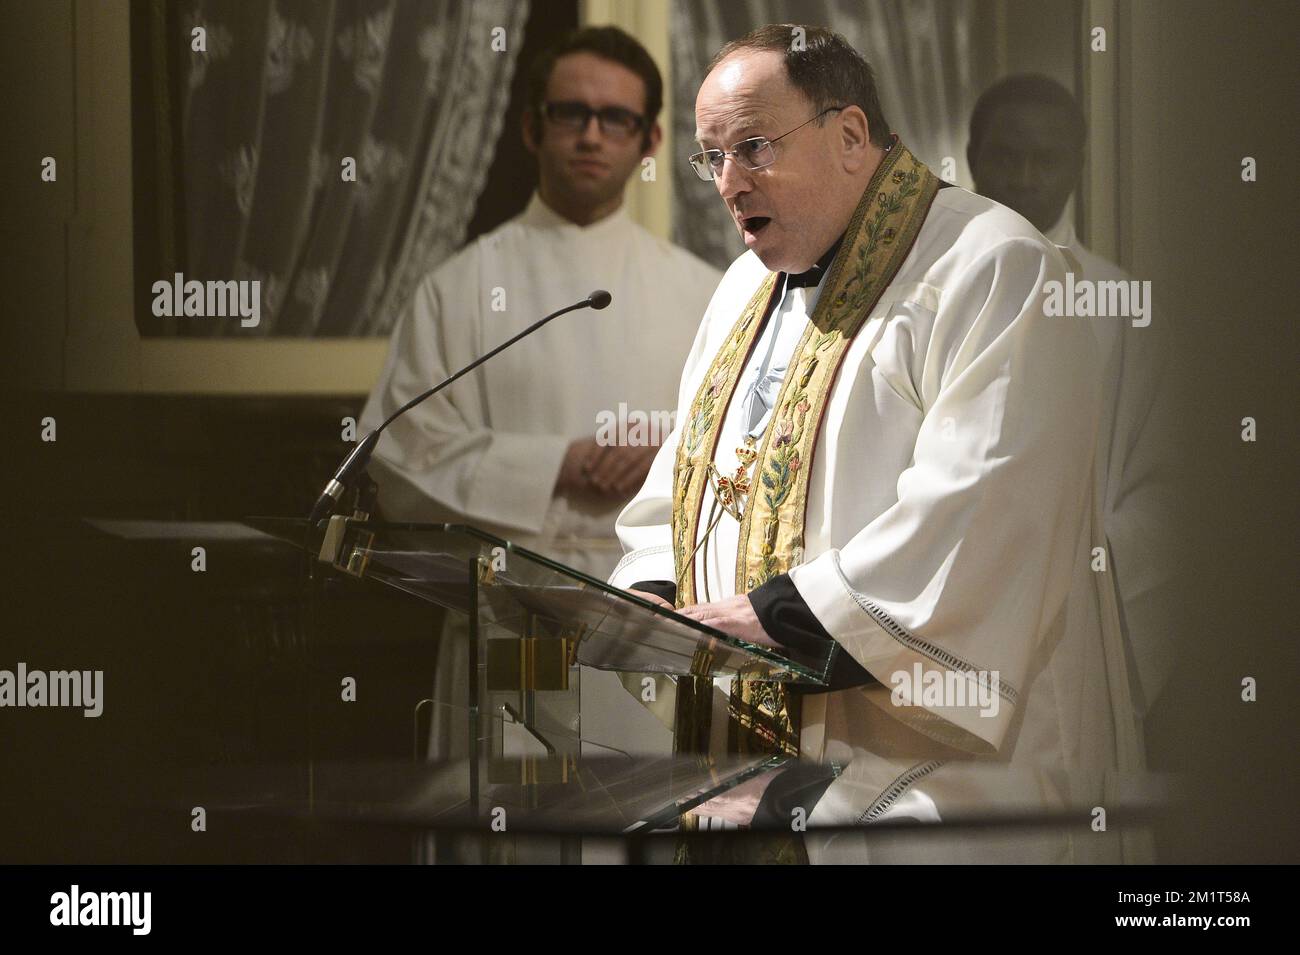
(755, 224)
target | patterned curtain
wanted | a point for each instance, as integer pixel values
(923, 56)
(287, 94)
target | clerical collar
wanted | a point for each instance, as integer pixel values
(814, 275)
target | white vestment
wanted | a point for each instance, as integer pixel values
(951, 516)
(487, 450)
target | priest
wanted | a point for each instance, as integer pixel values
(882, 459)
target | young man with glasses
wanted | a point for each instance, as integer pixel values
(883, 458)
(523, 447)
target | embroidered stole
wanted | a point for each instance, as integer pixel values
(763, 717)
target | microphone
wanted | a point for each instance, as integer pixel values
(360, 455)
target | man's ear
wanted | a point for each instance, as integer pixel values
(530, 131)
(656, 137)
(855, 137)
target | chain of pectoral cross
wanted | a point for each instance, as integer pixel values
(729, 497)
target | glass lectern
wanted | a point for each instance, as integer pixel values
(533, 772)
(533, 625)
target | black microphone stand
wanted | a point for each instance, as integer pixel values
(352, 473)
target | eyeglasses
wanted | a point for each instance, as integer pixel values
(614, 121)
(753, 153)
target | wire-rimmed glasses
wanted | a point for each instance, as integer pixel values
(753, 153)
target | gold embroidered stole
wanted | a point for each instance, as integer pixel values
(763, 717)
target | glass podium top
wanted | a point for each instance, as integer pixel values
(530, 595)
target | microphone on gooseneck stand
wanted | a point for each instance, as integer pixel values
(356, 461)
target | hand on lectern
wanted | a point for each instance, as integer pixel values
(734, 616)
(653, 598)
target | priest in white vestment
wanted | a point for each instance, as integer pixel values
(545, 442)
(884, 452)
